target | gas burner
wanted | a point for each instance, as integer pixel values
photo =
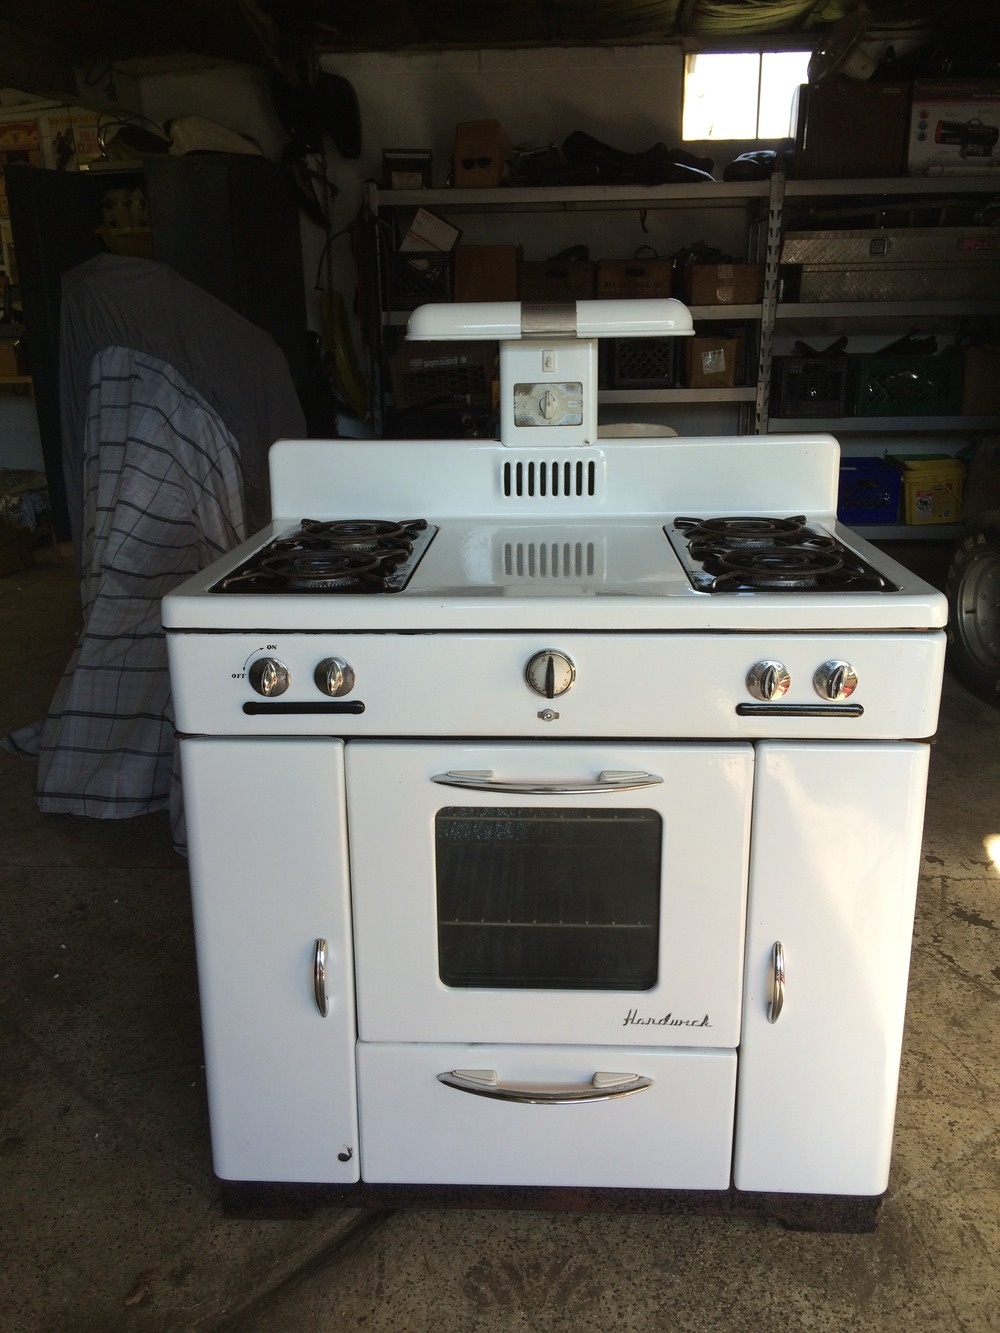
(769, 554)
(324, 570)
(772, 567)
(358, 535)
(357, 555)
(749, 533)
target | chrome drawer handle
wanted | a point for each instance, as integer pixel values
(777, 999)
(482, 779)
(602, 1088)
(319, 978)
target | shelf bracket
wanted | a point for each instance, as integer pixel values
(769, 303)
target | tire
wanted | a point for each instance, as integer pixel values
(973, 589)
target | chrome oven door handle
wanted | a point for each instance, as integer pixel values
(602, 1088)
(319, 978)
(484, 780)
(777, 1000)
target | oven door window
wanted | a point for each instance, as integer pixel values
(536, 898)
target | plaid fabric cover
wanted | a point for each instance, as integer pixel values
(163, 498)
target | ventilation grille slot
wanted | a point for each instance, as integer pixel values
(549, 560)
(573, 478)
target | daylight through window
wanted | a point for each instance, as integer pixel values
(742, 94)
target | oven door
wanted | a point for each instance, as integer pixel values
(553, 892)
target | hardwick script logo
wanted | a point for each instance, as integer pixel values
(667, 1021)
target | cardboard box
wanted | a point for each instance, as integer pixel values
(981, 381)
(713, 362)
(722, 284)
(619, 279)
(406, 169)
(486, 272)
(574, 280)
(482, 151)
(954, 128)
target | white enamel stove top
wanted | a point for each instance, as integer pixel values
(510, 554)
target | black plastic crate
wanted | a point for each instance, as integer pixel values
(810, 386)
(420, 278)
(644, 363)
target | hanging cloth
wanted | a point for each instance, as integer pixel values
(162, 499)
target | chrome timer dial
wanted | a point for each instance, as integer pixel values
(550, 673)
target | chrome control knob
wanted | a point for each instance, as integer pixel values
(835, 680)
(334, 676)
(269, 677)
(550, 673)
(768, 680)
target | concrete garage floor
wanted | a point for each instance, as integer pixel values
(110, 1214)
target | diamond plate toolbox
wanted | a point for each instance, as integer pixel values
(908, 264)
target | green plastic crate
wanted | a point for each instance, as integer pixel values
(907, 386)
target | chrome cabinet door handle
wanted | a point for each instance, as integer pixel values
(482, 779)
(319, 978)
(777, 999)
(602, 1088)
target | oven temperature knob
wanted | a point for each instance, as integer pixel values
(334, 677)
(768, 680)
(835, 680)
(550, 673)
(268, 676)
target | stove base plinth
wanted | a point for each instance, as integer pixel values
(797, 1212)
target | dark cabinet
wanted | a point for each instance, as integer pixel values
(227, 222)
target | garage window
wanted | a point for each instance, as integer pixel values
(741, 94)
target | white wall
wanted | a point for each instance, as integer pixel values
(627, 96)
(238, 97)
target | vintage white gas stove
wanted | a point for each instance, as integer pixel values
(554, 804)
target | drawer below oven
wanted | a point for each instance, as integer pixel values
(675, 1133)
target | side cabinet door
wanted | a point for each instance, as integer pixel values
(281, 1076)
(834, 863)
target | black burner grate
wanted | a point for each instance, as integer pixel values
(769, 554)
(353, 556)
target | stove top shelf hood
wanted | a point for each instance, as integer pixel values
(548, 356)
(503, 321)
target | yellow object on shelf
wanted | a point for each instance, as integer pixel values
(932, 488)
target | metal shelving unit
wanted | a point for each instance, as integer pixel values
(749, 196)
(894, 317)
(566, 198)
(766, 205)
